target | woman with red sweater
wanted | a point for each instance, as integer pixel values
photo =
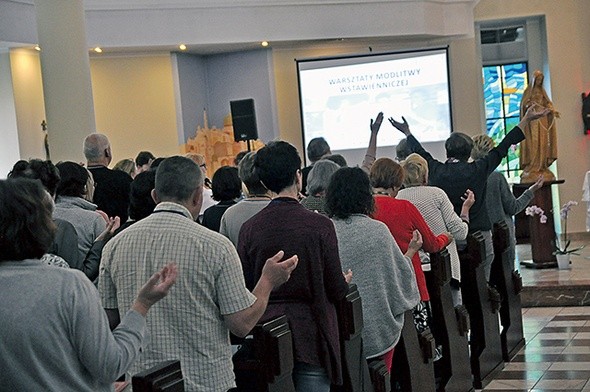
(402, 218)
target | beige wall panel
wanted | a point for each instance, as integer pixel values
(134, 104)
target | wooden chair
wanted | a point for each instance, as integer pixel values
(485, 343)
(380, 377)
(355, 369)
(453, 369)
(509, 283)
(413, 369)
(264, 363)
(164, 377)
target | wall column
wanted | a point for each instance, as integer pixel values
(65, 68)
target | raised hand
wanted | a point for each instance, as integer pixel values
(535, 112)
(416, 241)
(375, 125)
(112, 225)
(278, 272)
(401, 126)
(347, 276)
(155, 288)
(468, 199)
(538, 184)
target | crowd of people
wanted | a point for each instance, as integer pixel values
(273, 239)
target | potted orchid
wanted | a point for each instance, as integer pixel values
(565, 250)
(562, 253)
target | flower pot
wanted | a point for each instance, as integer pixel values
(563, 261)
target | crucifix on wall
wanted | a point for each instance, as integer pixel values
(46, 139)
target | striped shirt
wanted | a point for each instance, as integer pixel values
(437, 210)
(188, 324)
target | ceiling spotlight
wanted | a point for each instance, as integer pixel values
(264, 43)
(182, 47)
(98, 49)
(37, 48)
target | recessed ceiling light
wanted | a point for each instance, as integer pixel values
(37, 48)
(98, 49)
(264, 43)
(182, 47)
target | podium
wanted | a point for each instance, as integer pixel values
(540, 235)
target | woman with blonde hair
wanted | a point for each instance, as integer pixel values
(127, 166)
(437, 210)
(500, 202)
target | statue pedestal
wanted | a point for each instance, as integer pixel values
(541, 235)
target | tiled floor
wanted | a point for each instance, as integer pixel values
(557, 353)
(556, 356)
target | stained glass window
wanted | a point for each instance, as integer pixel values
(503, 86)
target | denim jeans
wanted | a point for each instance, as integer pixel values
(310, 378)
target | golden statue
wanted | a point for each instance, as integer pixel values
(539, 150)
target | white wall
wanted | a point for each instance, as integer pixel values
(28, 101)
(9, 153)
(134, 104)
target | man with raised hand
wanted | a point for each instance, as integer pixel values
(210, 298)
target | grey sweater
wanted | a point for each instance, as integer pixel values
(384, 276)
(55, 334)
(83, 216)
(502, 205)
(235, 216)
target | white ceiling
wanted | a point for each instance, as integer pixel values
(214, 26)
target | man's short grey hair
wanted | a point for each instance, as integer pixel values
(402, 150)
(95, 145)
(177, 178)
(320, 175)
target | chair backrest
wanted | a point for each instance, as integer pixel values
(481, 301)
(164, 377)
(355, 369)
(265, 362)
(449, 326)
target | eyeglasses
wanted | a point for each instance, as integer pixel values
(204, 165)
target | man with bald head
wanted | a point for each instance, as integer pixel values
(111, 193)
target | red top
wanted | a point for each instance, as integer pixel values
(402, 218)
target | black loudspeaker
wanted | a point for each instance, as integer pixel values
(244, 119)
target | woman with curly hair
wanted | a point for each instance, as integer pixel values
(384, 276)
